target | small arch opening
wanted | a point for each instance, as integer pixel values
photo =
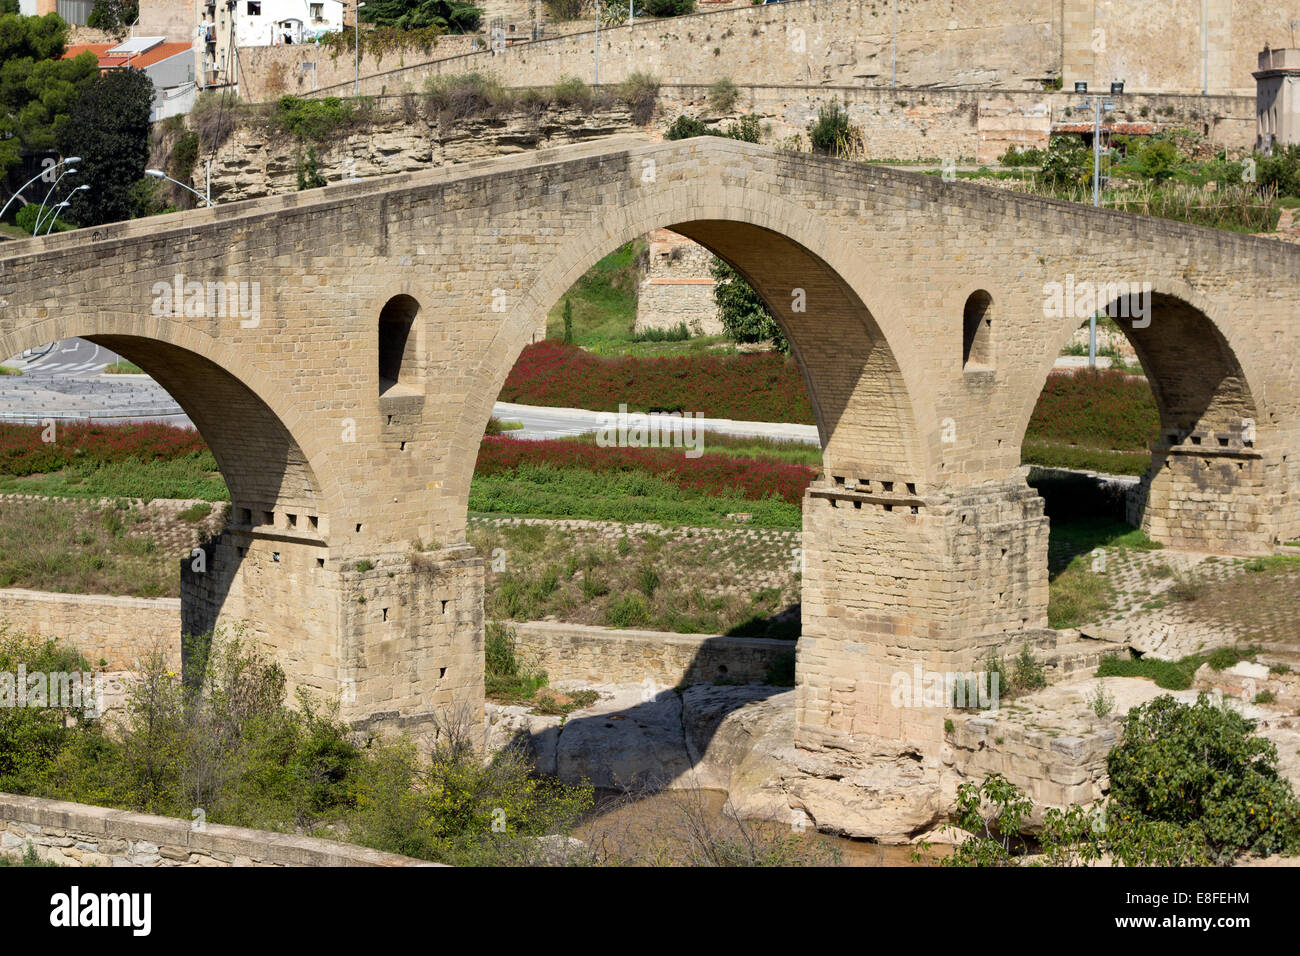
(398, 354)
(977, 331)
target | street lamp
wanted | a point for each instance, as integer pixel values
(54, 216)
(356, 87)
(54, 212)
(41, 214)
(43, 172)
(159, 174)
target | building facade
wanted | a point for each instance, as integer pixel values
(226, 25)
(1277, 99)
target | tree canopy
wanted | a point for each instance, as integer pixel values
(109, 129)
(450, 15)
(37, 88)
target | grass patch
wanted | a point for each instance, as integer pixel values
(10, 370)
(496, 426)
(48, 546)
(123, 368)
(191, 476)
(196, 512)
(1170, 675)
(618, 496)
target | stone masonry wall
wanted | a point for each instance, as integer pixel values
(117, 630)
(677, 287)
(1002, 43)
(75, 834)
(577, 652)
(1165, 45)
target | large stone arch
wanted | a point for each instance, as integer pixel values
(229, 401)
(1214, 465)
(859, 385)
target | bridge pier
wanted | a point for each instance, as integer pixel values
(396, 640)
(895, 582)
(1209, 496)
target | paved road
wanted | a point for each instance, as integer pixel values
(561, 422)
(66, 380)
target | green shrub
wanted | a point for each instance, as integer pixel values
(1200, 768)
(1169, 675)
(668, 8)
(685, 127)
(505, 677)
(571, 91)
(628, 610)
(315, 119)
(465, 96)
(26, 219)
(1159, 160)
(1032, 156)
(723, 95)
(639, 93)
(1068, 163)
(832, 132)
(1224, 657)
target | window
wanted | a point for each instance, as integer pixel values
(318, 11)
(397, 349)
(254, 8)
(977, 331)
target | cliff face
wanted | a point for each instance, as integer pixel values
(258, 162)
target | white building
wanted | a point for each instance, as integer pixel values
(247, 23)
(1277, 99)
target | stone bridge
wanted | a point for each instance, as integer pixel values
(345, 347)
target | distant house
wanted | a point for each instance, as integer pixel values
(1277, 99)
(226, 25)
(169, 66)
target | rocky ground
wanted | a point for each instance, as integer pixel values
(740, 739)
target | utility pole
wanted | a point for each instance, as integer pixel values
(597, 81)
(1098, 107)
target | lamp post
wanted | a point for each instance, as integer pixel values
(597, 80)
(54, 212)
(356, 85)
(159, 174)
(1098, 108)
(44, 172)
(41, 215)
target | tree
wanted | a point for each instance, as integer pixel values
(109, 129)
(37, 87)
(1068, 163)
(113, 15)
(742, 311)
(1200, 768)
(453, 16)
(1158, 160)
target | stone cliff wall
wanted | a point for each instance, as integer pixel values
(255, 163)
(903, 125)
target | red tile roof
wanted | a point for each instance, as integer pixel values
(149, 57)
